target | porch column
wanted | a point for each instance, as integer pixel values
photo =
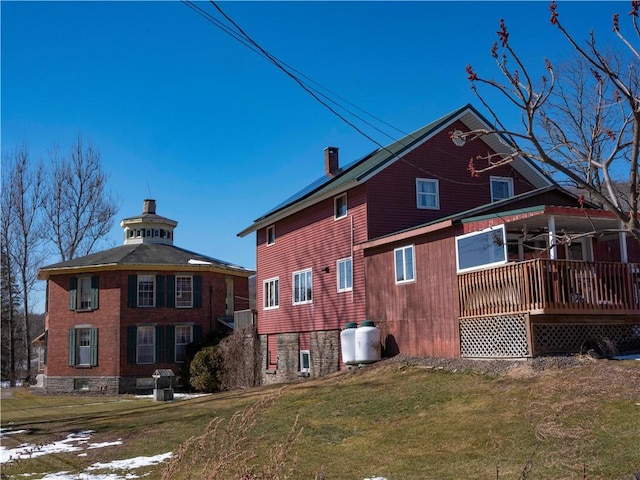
(624, 256)
(553, 251)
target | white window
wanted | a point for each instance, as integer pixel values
(427, 193)
(345, 274)
(146, 344)
(271, 235)
(340, 206)
(84, 295)
(271, 293)
(302, 287)
(184, 291)
(481, 249)
(501, 188)
(83, 345)
(405, 265)
(305, 361)
(184, 336)
(146, 297)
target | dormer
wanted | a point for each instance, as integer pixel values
(148, 227)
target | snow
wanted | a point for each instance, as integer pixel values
(80, 442)
(193, 261)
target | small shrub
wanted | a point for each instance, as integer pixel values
(206, 370)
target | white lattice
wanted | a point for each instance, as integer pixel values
(569, 338)
(495, 336)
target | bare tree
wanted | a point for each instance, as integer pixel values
(22, 232)
(582, 129)
(79, 210)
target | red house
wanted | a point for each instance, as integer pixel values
(312, 275)
(115, 317)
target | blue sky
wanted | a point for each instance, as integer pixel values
(183, 113)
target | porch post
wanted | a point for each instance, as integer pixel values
(624, 255)
(553, 251)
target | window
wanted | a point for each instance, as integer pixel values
(271, 293)
(83, 347)
(145, 351)
(184, 291)
(146, 291)
(83, 293)
(501, 188)
(345, 274)
(184, 336)
(302, 287)
(340, 206)
(481, 249)
(271, 235)
(405, 265)
(427, 193)
(305, 361)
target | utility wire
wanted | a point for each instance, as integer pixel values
(247, 41)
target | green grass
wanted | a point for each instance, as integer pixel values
(389, 420)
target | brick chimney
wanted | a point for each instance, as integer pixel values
(331, 166)
(149, 206)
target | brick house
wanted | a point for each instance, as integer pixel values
(114, 317)
(311, 277)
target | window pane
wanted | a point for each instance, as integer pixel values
(408, 261)
(483, 248)
(399, 266)
(146, 348)
(83, 342)
(184, 291)
(145, 291)
(85, 293)
(183, 338)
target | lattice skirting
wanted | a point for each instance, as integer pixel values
(570, 338)
(496, 336)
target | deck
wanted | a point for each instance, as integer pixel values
(543, 286)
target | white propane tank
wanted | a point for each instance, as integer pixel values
(348, 343)
(367, 343)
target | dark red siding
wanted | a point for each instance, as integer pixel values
(391, 194)
(313, 239)
(419, 318)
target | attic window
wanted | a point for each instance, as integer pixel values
(340, 206)
(271, 235)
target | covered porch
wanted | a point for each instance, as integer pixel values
(546, 280)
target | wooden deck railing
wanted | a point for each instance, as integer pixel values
(551, 286)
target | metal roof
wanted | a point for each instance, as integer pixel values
(361, 170)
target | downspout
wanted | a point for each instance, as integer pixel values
(352, 260)
(624, 254)
(210, 308)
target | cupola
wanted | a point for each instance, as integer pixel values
(148, 227)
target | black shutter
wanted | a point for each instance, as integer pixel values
(95, 283)
(160, 291)
(132, 343)
(171, 344)
(132, 299)
(159, 344)
(197, 333)
(197, 291)
(73, 293)
(171, 291)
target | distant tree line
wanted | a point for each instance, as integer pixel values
(61, 208)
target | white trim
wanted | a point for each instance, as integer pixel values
(307, 369)
(436, 194)
(404, 264)
(264, 297)
(507, 180)
(303, 274)
(153, 345)
(484, 265)
(338, 262)
(153, 292)
(175, 293)
(271, 227)
(346, 206)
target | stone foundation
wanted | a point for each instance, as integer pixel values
(324, 351)
(103, 385)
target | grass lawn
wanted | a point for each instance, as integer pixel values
(390, 420)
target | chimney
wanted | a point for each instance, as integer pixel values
(331, 167)
(149, 206)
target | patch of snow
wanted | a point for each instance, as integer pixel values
(632, 356)
(193, 261)
(8, 431)
(131, 463)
